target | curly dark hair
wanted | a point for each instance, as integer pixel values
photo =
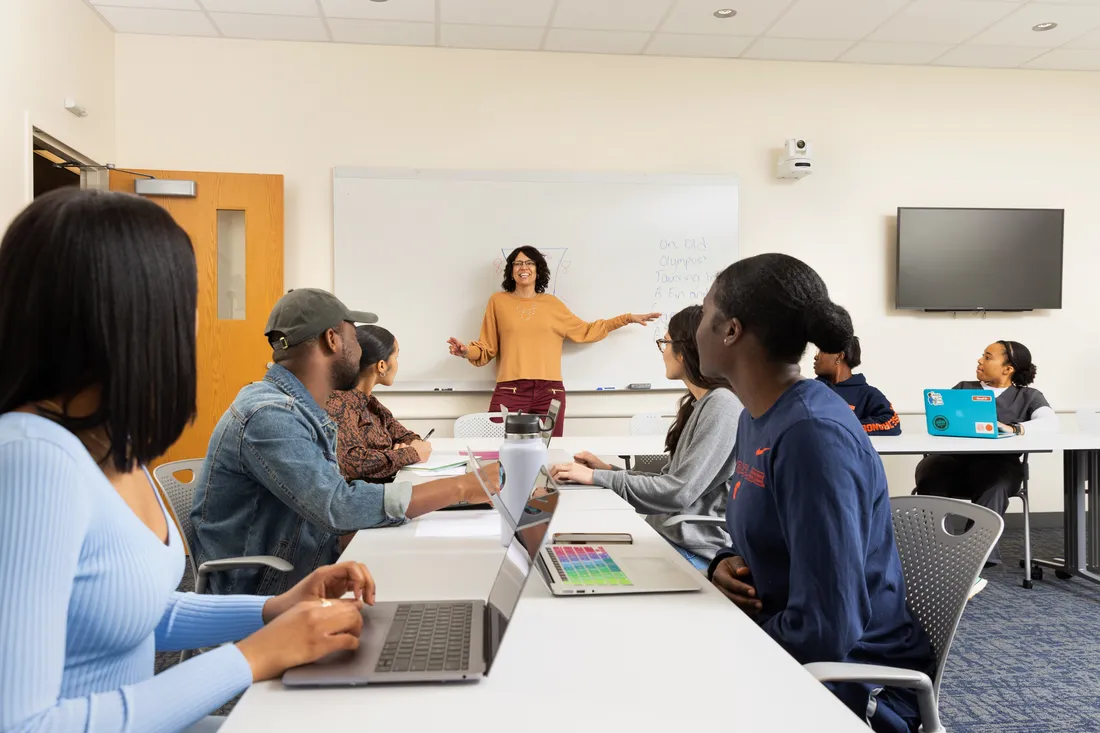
(542, 270)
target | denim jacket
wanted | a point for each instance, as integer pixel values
(271, 485)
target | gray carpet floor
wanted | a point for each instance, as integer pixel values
(1023, 661)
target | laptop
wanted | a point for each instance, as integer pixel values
(571, 570)
(437, 641)
(962, 413)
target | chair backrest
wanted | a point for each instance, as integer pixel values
(650, 423)
(650, 463)
(480, 425)
(180, 494)
(940, 568)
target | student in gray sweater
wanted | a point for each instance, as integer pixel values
(700, 444)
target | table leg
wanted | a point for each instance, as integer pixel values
(1080, 469)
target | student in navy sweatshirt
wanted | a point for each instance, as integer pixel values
(812, 555)
(870, 406)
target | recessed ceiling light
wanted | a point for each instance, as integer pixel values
(1044, 27)
(725, 13)
(378, 1)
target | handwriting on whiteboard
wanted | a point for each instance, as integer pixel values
(683, 273)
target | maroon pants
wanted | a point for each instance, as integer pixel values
(532, 396)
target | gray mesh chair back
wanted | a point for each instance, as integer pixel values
(940, 568)
(650, 463)
(180, 493)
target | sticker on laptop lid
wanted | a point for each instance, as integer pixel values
(985, 428)
(935, 399)
(939, 422)
(981, 398)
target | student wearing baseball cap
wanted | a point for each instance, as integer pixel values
(271, 484)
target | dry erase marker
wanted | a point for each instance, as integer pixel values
(444, 389)
(604, 389)
(429, 434)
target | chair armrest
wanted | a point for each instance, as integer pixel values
(692, 519)
(251, 561)
(235, 563)
(891, 676)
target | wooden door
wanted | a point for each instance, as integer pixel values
(232, 350)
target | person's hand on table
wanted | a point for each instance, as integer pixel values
(644, 318)
(573, 473)
(301, 634)
(472, 491)
(457, 348)
(423, 449)
(728, 578)
(587, 459)
(328, 582)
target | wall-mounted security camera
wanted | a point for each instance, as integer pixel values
(795, 160)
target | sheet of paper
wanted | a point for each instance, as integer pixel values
(441, 472)
(439, 461)
(460, 524)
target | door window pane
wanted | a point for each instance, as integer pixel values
(231, 265)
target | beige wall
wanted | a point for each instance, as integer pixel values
(884, 137)
(50, 50)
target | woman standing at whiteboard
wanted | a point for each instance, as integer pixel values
(524, 328)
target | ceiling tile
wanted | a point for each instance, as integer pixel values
(992, 57)
(490, 36)
(611, 15)
(1015, 30)
(627, 42)
(943, 21)
(270, 27)
(382, 32)
(415, 10)
(692, 44)
(880, 52)
(158, 22)
(496, 12)
(796, 49)
(266, 7)
(1065, 58)
(840, 19)
(151, 4)
(697, 16)
(1089, 41)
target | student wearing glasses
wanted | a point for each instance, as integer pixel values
(524, 328)
(871, 408)
(700, 446)
(1005, 367)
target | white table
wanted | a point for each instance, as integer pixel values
(1081, 469)
(601, 445)
(632, 663)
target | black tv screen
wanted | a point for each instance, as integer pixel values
(979, 259)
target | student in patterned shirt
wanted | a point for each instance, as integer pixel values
(371, 444)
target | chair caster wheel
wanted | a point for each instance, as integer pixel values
(1062, 575)
(1036, 573)
(1028, 584)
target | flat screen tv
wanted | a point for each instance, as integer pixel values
(979, 259)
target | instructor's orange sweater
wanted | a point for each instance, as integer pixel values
(525, 335)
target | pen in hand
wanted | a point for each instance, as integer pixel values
(429, 434)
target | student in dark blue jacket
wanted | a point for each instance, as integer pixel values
(870, 406)
(812, 555)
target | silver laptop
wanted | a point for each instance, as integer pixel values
(441, 641)
(573, 570)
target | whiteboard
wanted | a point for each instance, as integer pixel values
(424, 249)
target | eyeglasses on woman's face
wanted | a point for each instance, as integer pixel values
(520, 264)
(663, 344)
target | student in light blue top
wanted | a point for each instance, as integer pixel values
(97, 378)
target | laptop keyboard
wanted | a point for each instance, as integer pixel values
(584, 565)
(428, 637)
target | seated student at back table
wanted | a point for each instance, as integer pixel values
(812, 555)
(700, 447)
(98, 379)
(371, 444)
(1005, 367)
(271, 485)
(870, 406)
